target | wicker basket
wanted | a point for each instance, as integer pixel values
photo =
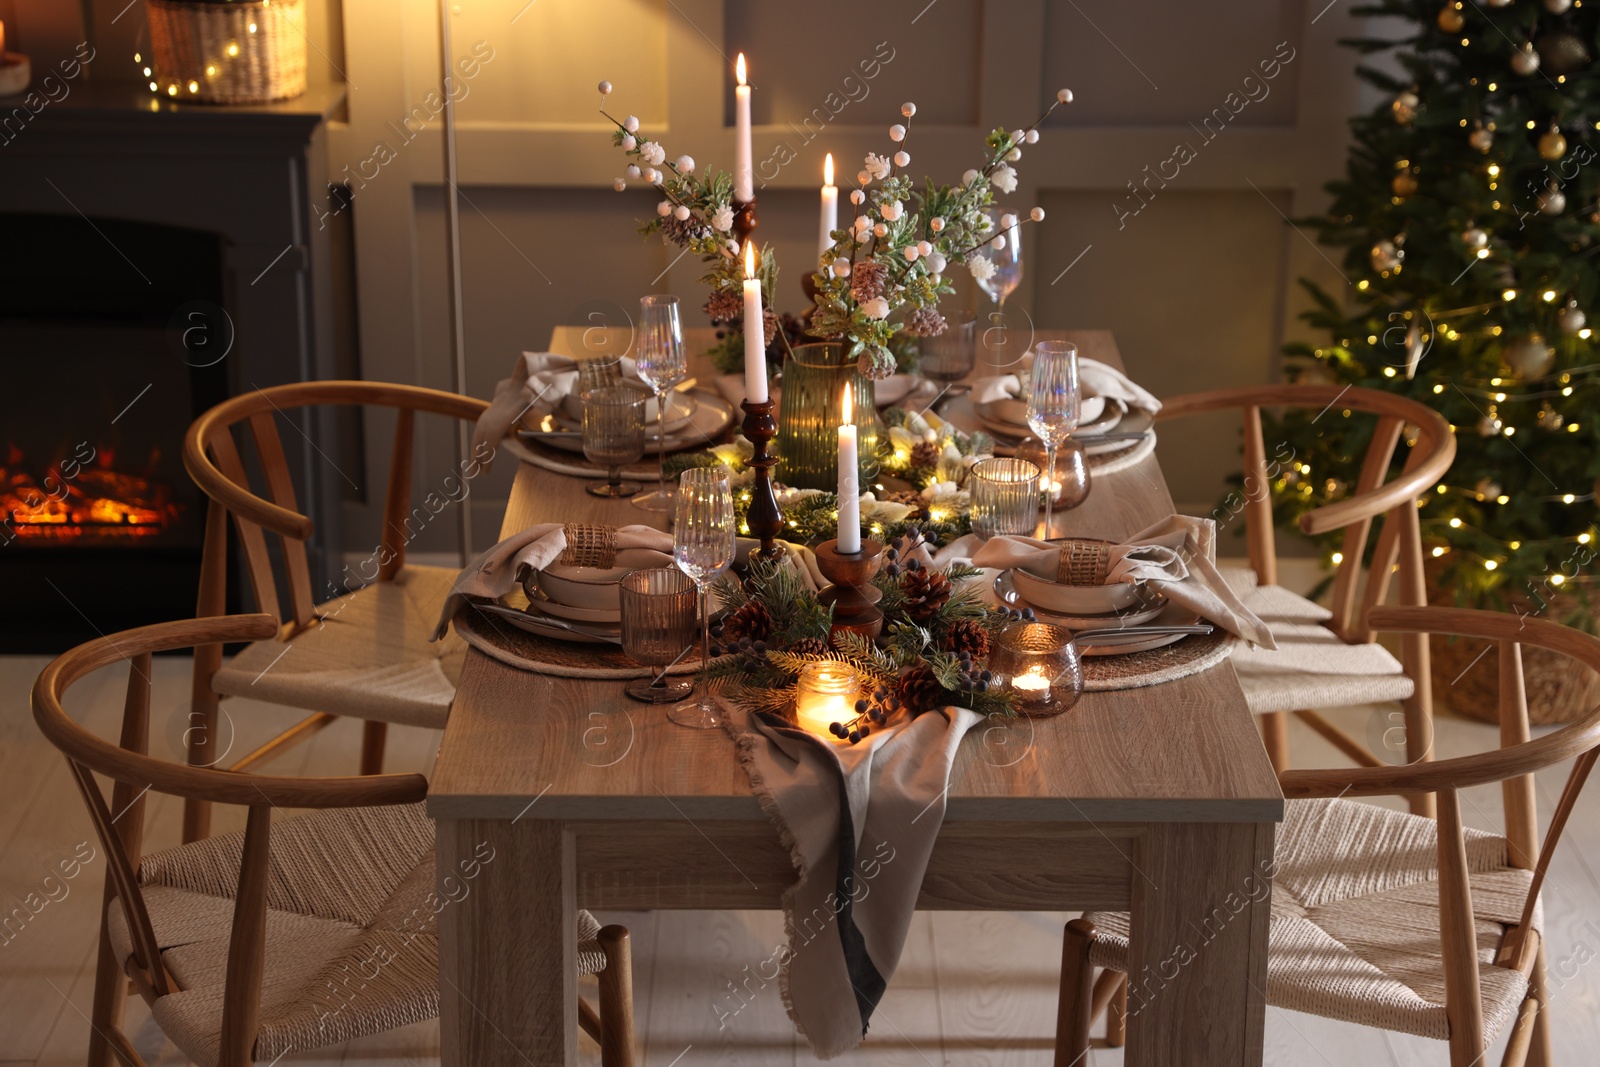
(237, 53)
(1466, 672)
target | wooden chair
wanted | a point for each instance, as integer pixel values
(364, 653)
(293, 933)
(1395, 920)
(1327, 658)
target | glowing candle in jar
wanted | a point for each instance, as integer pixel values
(830, 208)
(1032, 684)
(744, 185)
(825, 694)
(755, 332)
(849, 488)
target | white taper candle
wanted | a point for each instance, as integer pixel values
(849, 480)
(744, 183)
(755, 334)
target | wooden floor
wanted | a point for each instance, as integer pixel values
(973, 988)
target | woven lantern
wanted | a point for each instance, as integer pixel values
(233, 53)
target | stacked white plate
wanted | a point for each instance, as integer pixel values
(1007, 421)
(1146, 608)
(693, 418)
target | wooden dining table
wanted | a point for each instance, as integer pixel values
(1159, 801)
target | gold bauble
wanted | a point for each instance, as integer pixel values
(1404, 184)
(1450, 20)
(1552, 146)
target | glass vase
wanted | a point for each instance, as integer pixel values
(810, 413)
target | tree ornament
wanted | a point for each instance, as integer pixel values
(1385, 256)
(1571, 318)
(1404, 184)
(1480, 138)
(1498, 3)
(1415, 349)
(1563, 52)
(1404, 108)
(1524, 60)
(1490, 424)
(1552, 146)
(1548, 417)
(1474, 238)
(1450, 20)
(1552, 201)
(1487, 488)
(1556, 7)
(1529, 357)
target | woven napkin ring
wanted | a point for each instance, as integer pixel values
(589, 545)
(1083, 563)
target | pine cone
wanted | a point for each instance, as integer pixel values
(681, 231)
(866, 280)
(967, 635)
(909, 497)
(926, 592)
(769, 326)
(919, 690)
(925, 454)
(752, 620)
(925, 322)
(809, 646)
(724, 307)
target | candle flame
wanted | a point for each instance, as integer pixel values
(749, 258)
(849, 408)
(827, 170)
(738, 67)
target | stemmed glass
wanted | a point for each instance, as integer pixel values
(702, 547)
(1055, 403)
(613, 435)
(663, 363)
(1007, 261)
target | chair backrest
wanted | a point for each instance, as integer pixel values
(1432, 450)
(1512, 765)
(134, 773)
(213, 458)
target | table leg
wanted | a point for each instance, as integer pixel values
(508, 982)
(1198, 967)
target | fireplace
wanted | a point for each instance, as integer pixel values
(105, 364)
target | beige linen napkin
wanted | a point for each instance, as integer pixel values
(1175, 555)
(1095, 378)
(539, 382)
(497, 571)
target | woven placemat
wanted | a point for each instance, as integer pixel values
(1139, 669)
(499, 639)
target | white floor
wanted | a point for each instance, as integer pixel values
(973, 989)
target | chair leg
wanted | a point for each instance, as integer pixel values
(373, 737)
(1540, 1053)
(1117, 1016)
(1074, 1010)
(199, 739)
(616, 998)
(110, 996)
(1275, 734)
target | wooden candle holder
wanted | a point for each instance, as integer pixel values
(744, 221)
(853, 596)
(764, 518)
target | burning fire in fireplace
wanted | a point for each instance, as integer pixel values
(80, 497)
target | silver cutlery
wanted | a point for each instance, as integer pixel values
(1112, 632)
(613, 637)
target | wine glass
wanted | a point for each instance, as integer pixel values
(702, 547)
(663, 363)
(613, 434)
(1007, 260)
(1055, 403)
(948, 357)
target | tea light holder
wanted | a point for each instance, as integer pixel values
(826, 694)
(853, 596)
(1041, 666)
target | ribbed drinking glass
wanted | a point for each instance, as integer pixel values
(613, 434)
(1005, 497)
(658, 627)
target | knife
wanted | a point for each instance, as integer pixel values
(1105, 633)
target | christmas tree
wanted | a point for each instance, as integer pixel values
(1469, 221)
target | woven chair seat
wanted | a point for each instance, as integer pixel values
(370, 657)
(1311, 667)
(352, 941)
(1355, 921)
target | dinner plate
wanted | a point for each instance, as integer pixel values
(544, 603)
(1011, 413)
(1169, 614)
(1006, 590)
(544, 626)
(680, 409)
(712, 415)
(1132, 422)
